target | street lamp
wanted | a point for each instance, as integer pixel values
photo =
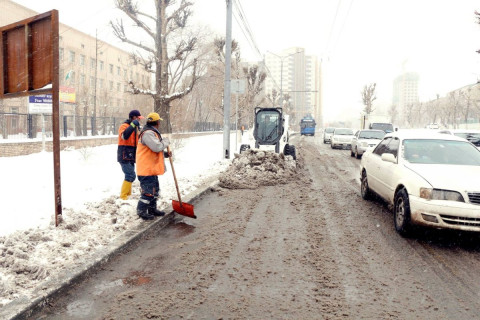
(281, 71)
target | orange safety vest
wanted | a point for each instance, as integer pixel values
(149, 163)
(131, 141)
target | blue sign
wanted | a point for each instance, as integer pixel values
(40, 104)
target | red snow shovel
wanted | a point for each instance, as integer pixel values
(185, 209)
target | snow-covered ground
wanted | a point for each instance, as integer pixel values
(32, 249)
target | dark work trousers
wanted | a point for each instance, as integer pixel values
(150, 187)
(128, 169)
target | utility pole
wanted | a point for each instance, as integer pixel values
(226, 88)
(94, 124)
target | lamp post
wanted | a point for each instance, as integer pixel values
(281, 71)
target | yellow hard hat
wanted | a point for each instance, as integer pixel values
(153, 116)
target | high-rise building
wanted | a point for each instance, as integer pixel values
(296, 77)
(405, 91)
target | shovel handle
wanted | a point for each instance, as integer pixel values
(174, 176)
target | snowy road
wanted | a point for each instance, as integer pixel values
(311, 249)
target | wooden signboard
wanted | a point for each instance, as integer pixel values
(29, 66)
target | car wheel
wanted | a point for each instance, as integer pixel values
(331, 145)
(351, 153)
(365, 190)
(324, 141)
(401, 212)
(358, 156)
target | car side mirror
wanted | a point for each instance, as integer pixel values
(389, 157)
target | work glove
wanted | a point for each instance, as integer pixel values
(135, 123)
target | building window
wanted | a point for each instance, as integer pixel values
(72, 57)
(125, 73)
(124, 88)
(118, 71)
(118, 86)
(110, 85)
(92, 63)
(82, 45)
(82, 80)
(137, 76)
(82, 59)
(100, 84)
(72, 77)
(101, 65)
(110, 68)
(60, 53)
(92, 82)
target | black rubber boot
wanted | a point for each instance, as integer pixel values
(142, 209)
(152, 209)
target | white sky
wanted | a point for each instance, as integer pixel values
(365, 41)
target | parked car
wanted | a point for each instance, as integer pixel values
(365, 139)
(471, 135)
(327, 134)
(430, 179)
(341, 138)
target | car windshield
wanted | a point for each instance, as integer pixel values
(371, 135)
(473, 137)
(433, 151)
(329, 130)
(343, 132)
(387, 127)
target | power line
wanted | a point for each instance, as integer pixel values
(241, 19)
(333, 26)
(343, 25)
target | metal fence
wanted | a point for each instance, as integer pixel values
(22, 126)
(19, 126)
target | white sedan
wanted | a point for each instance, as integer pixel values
(341, 138)
(365, 139)
(430, 179)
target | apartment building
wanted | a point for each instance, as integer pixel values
(297, 75)
(405, 90)
(93, 74)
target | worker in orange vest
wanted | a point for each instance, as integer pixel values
(127, 149)
(151, 154)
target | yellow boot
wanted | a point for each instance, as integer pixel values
(126, 190)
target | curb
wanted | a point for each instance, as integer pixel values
(23, 307)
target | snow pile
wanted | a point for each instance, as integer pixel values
(253, 168)
(29, 257)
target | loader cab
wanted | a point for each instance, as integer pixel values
(269, 126)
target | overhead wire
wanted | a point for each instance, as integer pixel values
(241, 19)
(343, 26)
(332, 27)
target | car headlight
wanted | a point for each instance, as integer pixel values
(439, 194)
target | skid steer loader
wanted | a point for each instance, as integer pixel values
(271, 131)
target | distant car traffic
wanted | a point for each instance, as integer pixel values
(341, 138)
(365, 139)
(471, 135)
(431, 179)
(327, 134)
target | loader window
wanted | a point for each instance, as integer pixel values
(269, 126)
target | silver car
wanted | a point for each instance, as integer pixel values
(327, 134)
(365, 139)
(341, 138)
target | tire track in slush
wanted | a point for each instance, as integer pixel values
(407, 257)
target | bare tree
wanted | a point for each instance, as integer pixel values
(478, 21)
(170, 57)
(392, 112)
(273, 97)
(454, 99)
(254, 93)
(368, 96)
